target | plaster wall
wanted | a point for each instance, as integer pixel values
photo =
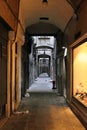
(9, 12)
(73, 28)
(77, 23)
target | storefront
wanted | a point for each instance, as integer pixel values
(78, 78)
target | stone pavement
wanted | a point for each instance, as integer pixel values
(41, 84)
(43, 109)
(47, 111)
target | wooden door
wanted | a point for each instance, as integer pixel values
(3, 67)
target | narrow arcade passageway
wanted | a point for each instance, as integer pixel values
(43, 111)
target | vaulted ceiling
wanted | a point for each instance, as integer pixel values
(41, 18)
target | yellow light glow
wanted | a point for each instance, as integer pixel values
(82, 56)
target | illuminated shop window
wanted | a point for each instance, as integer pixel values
(80, 73)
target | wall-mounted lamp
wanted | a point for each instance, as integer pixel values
(65, 50)
(63, 47)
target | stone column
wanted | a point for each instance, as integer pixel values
(8, 105)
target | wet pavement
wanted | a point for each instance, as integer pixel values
(43, 111)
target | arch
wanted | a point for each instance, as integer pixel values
(48, 47)
(43, 56)
(42, 28)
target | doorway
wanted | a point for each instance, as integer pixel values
(3, 69)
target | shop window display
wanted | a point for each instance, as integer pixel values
(79, 68)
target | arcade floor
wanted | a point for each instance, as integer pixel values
(42, 111)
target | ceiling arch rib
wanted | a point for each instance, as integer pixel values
(57, 12)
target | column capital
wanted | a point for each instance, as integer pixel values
(11, 35)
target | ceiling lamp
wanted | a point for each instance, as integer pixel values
(45, 2)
